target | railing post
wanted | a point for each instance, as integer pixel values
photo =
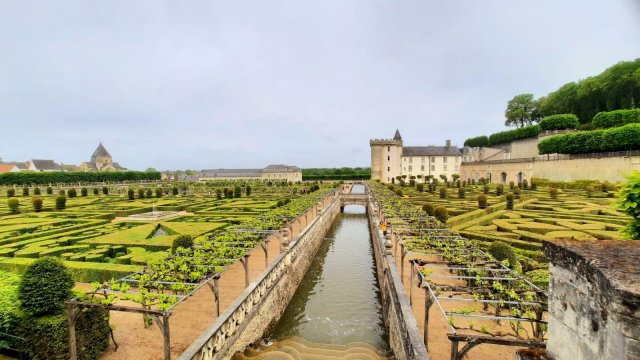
(71, 321)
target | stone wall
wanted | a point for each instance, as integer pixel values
(595, 299)
(262, 304)
(404, 336)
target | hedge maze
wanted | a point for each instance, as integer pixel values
(581, 214)
(97, 240)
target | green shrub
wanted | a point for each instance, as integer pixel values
(11, 192)
(525, 184)
(105, 190)
(553, 193)
(49, 190)
(13, 204)
(96, 191)
(174, 190)
(399, 192)
(25, 191)
(630, 203)
(36, 191)
(37, 203)
(478, 141)
(461, 192)
(84, 191)
(237, 192)
(511, 185)
(443, 193)
(61, 192)
(441, 214)
(61, 202)
(559, 122)
(509, 200)
(72, 193)
(59, 177)
(517, 192)
(502, 251)
(499, 189)
(589, 191)
(131, 194)
(420, 187)
(158, 192)
(482, 201)
(485, 188)
(228, 193)
(141, 193)
(148, 193)
(607, 119)
(219, 195)
(508, 136)
(534, 185)
(622, 138)
(183, 241)
(429, 209)
(47, 337)
(44, 287)
(247, 190)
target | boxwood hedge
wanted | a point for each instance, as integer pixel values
(559, 122)
(621, 138)
(607, 119)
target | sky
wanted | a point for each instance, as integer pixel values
(242, 84)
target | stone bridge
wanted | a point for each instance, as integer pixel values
(353, 199)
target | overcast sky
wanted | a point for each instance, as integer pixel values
(195, 84)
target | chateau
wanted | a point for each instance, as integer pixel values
(271, 172)
(390, 159)
(101, 160)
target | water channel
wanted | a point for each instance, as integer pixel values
(338, 300)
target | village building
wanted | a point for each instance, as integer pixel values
(101, 160)
(390, 159)
(271, 172)
(6, 168)
(43, 165)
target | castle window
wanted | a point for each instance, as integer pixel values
(444, 167)
(421, 167)
(410, 168)
(388, 148)
(388, 158)
(433, 168)
(433, 159)
(388, 168)
(444, 159)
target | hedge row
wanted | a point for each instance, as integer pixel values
(615, 139)
(81, 271)
(336, 177)
(607, 119)
(504, 137)
(58, 177)
(478, 141)
(559, 122)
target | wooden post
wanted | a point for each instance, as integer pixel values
(71, 322)
(454, 350)
(167, 337)
(428, 301)
(265, 248)
(403, 253)
(245, 264)
(411, 268)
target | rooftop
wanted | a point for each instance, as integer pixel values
(431, 150)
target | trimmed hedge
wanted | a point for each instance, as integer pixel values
(81, 271)
(56, 177)
(559, 122)
(478, 141)
(615, 139)
(607, 119)
(44, 287)
(505, 137)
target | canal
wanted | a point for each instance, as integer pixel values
(336, 310)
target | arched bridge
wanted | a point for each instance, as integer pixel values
(353, 199)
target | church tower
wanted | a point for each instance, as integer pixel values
(386, 157)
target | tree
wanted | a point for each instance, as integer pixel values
(37, 203)
(237, 192)
(13, 204)
(131, 194)
(61, 202)
(45, 285)
(522, 110)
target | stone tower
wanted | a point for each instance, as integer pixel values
(101, 157)
(385, 158)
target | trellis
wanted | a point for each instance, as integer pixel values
(455, 258)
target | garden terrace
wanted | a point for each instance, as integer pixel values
(210, 272)
(480, 300)
(581, 211)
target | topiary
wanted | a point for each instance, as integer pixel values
(429, 209)
(84, 191)
(485, 188)
(49, 190)
(148, 193)
(499, 189)
(237, 192)
(105, 190)
(589, 190)
(502, 251)
(61, 202)
(482, 201)
(461, 192)
(553, 193)
(420, 187)
(131, 194)
(509, 200)
(443, 193)
(37, 203)
(525, 184)
(72, 193)
(62, 192)
(141, 193)
(516, 192)
(44, 287)
(174, 190)
(25, 191)
(13, 204)
(247, 190)
(441, 214)
(36, 191)
(11, 192)
(534, 186)
(158, 192)
(219, 195)
(399, 192)
(96, 191)
(183, 241)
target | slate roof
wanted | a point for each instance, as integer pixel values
(19, 164)
(280, 169)
(45, 164)
(397, 135)
(70, 167)
(431, 151)
(100, 151)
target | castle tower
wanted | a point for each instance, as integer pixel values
(101, 157)
(385, 158)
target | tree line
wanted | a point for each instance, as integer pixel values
(65, 177)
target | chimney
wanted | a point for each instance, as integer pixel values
(448, 144)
